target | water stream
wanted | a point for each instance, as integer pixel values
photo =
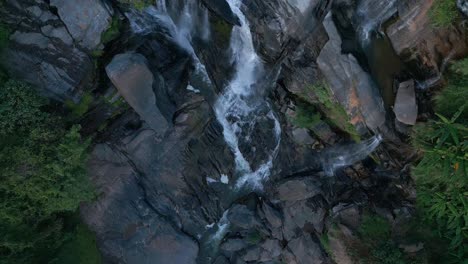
(242, 106)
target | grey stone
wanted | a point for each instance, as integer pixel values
(86, 20)
(130, 74)
(301, 136)
(233, 245)
(351, 85)
(306, 251)
(60, 33)
(30, 39)
(241, 216)
(122, 219)
(272, 215)
(295, 190)
(406, 109)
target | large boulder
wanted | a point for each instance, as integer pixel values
(352, 87)
(406, 109)
(86, 20)
(122, 218)
(130, 74)
(423, 47)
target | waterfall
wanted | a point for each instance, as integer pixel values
(370, 15)
(341, 156)
(241, 107)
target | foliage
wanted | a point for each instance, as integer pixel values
(375, 234)
(42, 175)
(77, 110)
(442, 178)
(449, 101)
(4, 36)
(20, 109)
(306, 116)
(443, 13)
(374, 228)
(335, 113)
(112, 32)
(138, 4)
(79, 249)
(223, 30)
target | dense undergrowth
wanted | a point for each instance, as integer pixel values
(443, 13)
(42, 181)
(442, 174)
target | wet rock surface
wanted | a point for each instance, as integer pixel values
(166, 176)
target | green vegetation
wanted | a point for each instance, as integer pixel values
(138, 4)
(306, 116)
(4, 36)
(77, 110)
(42, 176)
(442, 174)
(112, 32)
(223, 30)
(376, 244)
(336, 115)
(79, 249)
(443, 13)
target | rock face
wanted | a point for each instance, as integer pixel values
(406, 109)
(42, 51)
(165, 174)
(130, 74)
(86, 20)
(222, 9)
(351, 85)
(119, 232)
(421, 46)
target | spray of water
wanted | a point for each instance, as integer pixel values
(341, 156)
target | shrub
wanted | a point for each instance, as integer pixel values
(77, 110)
(442, 174)
(306, 116)
(442, 178)
(42, 175)
(443, 13)
(4, 36)
(112, 32)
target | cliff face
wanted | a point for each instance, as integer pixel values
(165, 169)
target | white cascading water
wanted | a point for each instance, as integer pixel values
(341, 156)
(236, 108)
(181, 31)
(381, 11)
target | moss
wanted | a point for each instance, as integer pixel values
(80, 249)
(254, 238)
(306, 116)
(443, 13)
(335, 113)
(4, 36)
(77, 110)
(138, 4)
(223, 30)
(112, 32)
(325, 242)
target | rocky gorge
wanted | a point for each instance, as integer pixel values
(238, 131)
